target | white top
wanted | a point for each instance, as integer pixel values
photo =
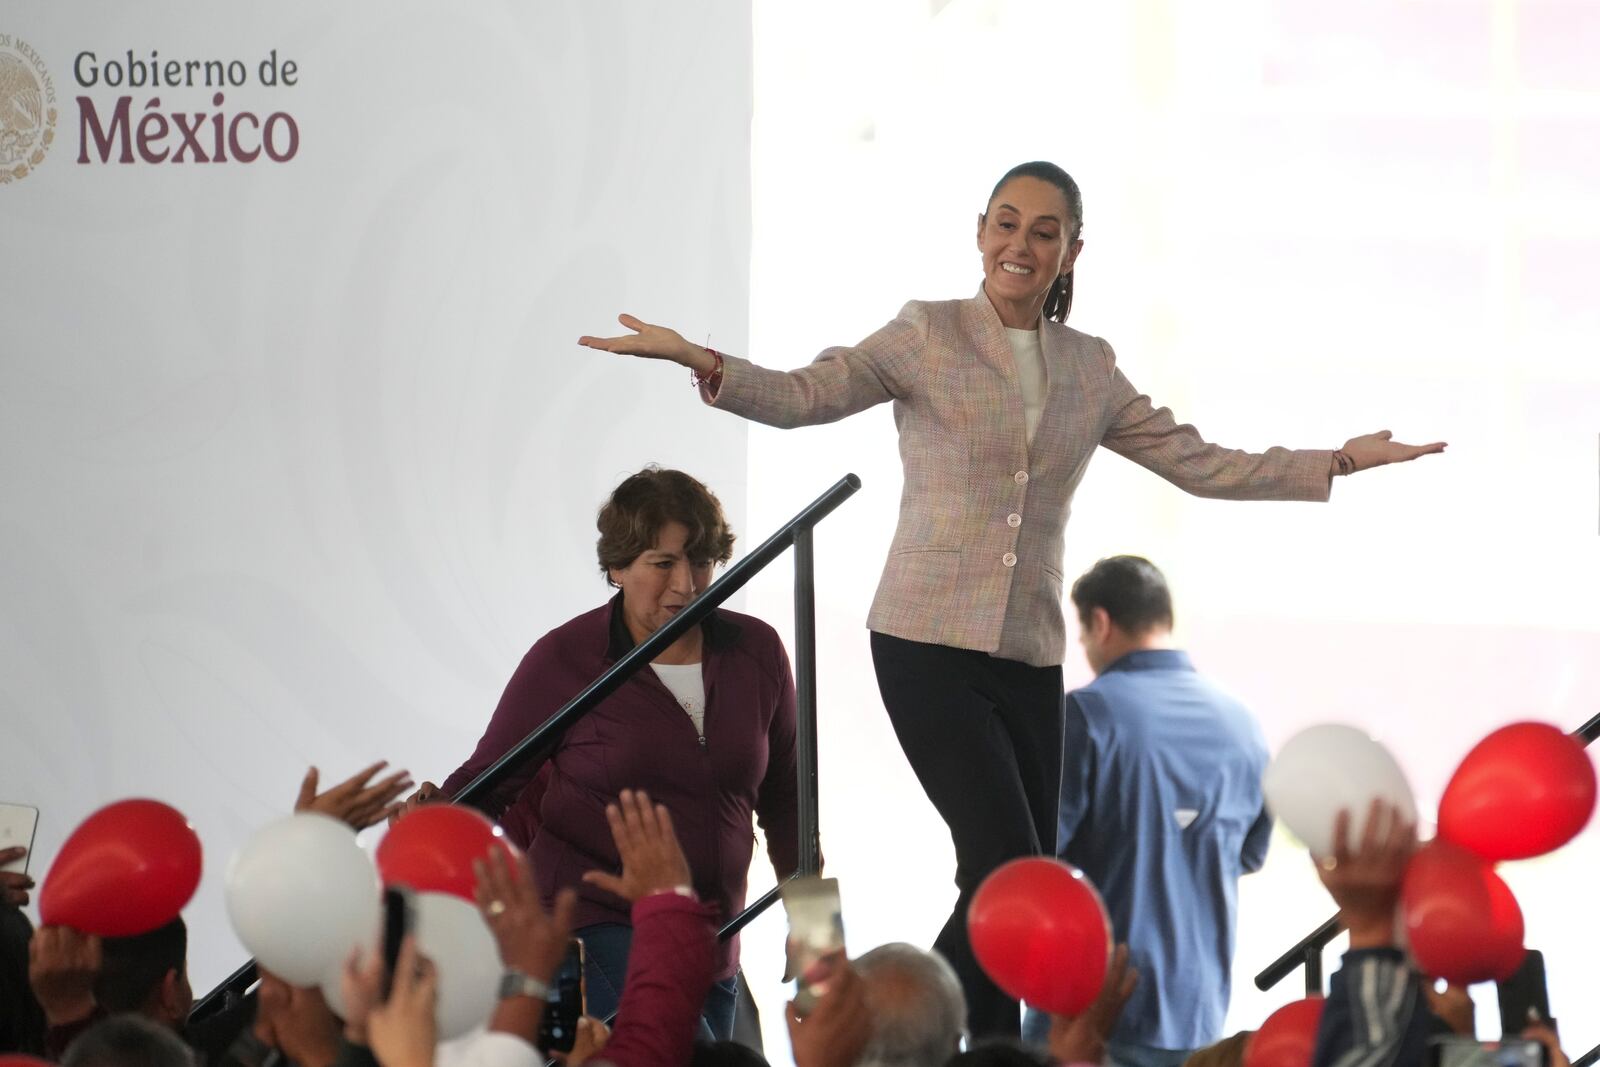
(1029, 357)
(689, 686)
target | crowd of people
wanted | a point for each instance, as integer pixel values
(637, 830)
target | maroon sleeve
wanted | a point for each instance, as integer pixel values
(58, 1038)
(777, 803)
(529, 700)
(669, 974)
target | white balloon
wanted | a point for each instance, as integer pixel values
(1323, 769)
(451, 932)
(300, 894)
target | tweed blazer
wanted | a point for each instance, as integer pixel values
(976, 557)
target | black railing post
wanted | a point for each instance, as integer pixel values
(805, 702)
(1302, 954)
(1313, 965)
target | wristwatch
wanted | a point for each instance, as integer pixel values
(514, 983)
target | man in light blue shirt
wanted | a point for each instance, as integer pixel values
(1161, 807)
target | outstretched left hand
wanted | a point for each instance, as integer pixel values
(1379, 449)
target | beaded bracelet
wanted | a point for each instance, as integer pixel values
(711, 379)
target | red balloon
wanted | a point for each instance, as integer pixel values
(18, 1059)
(1039, 930)
(1462, 921)
(1288, 1037)
(1524, 790)
(127, 869)
(432, 848)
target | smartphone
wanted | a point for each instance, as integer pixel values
(566, 1002)
(1523, 997)
(1457, 1051)
(816, 930)
(399, 915)
(17, 825)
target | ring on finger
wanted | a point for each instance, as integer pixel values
(495, 908)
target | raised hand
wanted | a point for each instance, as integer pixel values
(14, 885)
(1378, 449)
(1454, 1007)
(402, 1031)
(531, 940)
(837, 1028)
(653, 342)
(297, 1022)
(361, 986)
(62, 967)
(1364, 880)
(357, 801)
(1082, 1038)
(652, 859)
(590, 1041)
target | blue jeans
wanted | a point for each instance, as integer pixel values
(1036, 1031)
(605, 951)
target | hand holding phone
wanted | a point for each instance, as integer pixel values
(17, 825)
(565, 1003)
(816, 934)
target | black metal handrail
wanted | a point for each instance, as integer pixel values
(538, 745)
(1588, 1059)
(1308, 951)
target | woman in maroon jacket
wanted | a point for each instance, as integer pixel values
(708, 731)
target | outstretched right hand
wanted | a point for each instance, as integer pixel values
(653, 342)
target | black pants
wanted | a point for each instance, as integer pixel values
(984, 738)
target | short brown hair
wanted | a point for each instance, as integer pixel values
(631, 521)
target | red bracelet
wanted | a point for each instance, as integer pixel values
(710, 379)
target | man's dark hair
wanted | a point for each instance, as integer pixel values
(133, 967)
(1130, 589)
(128, 1041)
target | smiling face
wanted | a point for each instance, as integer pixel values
(660, 581)
(1026, 238)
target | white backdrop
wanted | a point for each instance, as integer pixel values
(1304, 221)
(300, 457)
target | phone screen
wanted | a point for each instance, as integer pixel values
(397, 920)
(816, 931)
(1467, 1052)
(17, 824)
(565, 1004)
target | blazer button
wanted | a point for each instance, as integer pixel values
(1021, 477)
(1013, 520)
(1009, 559)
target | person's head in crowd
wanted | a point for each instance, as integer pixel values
(128, 1041)
(1001, 1054)
(147, 974)
(919, 1013)
(725, 1054)
(662, 533)
(1123, 606)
